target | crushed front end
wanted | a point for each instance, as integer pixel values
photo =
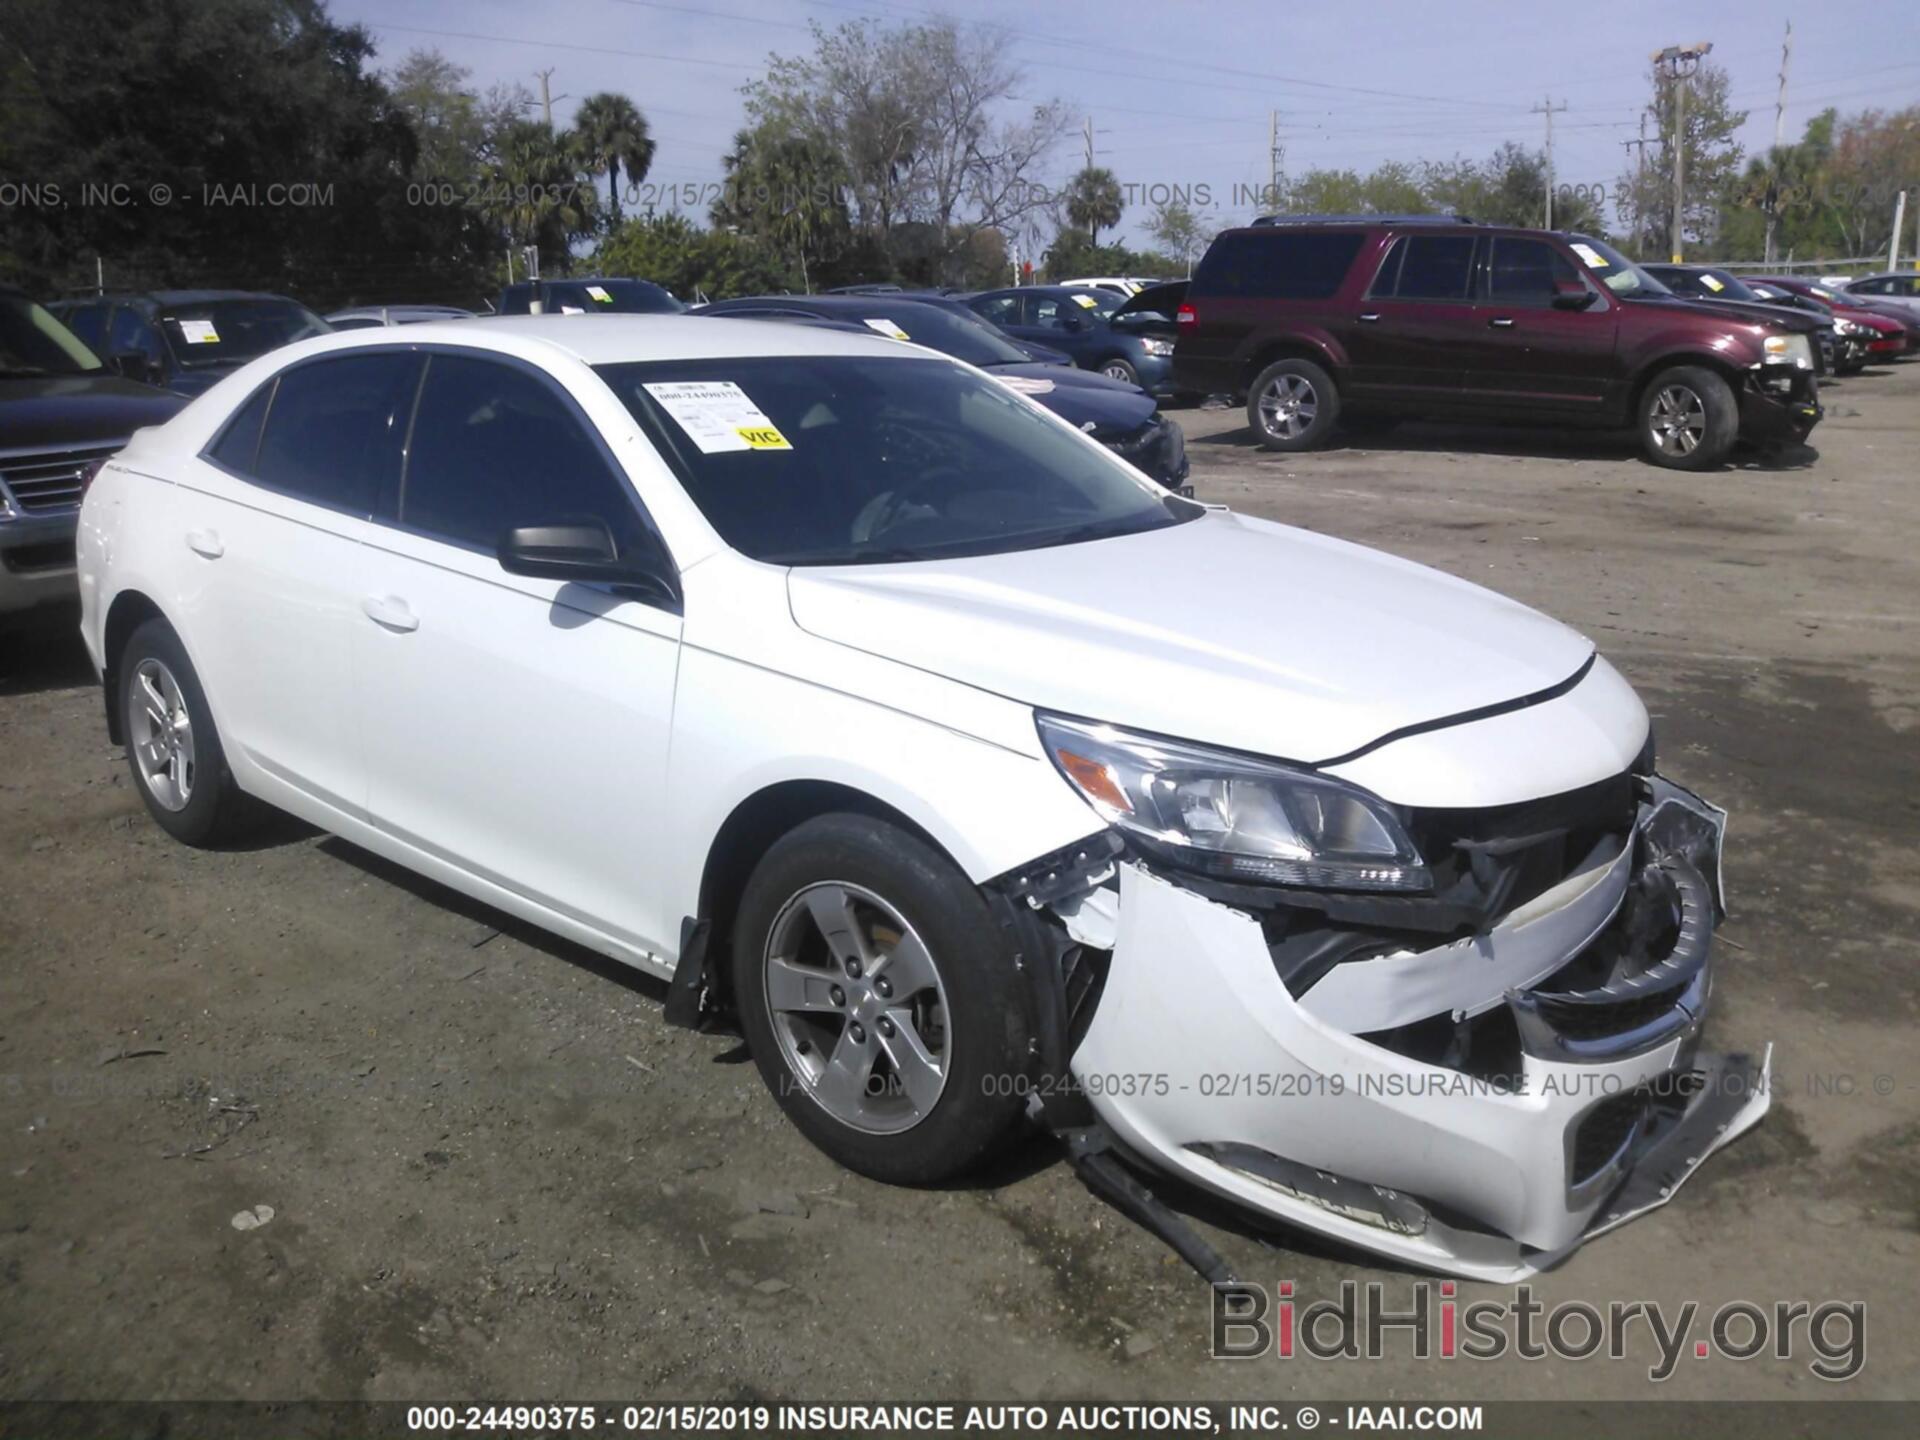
(1475, 1079)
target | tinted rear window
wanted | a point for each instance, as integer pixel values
(1277, 264)
(1436, 267)
(335, 427)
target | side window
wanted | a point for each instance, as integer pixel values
(1872, 287)
(1525, 272)
(495, 447)
(335, 428)
(1000, 309)
(1907, 285)
(1046, 313)
(89, 322)
(1387, 279)
(1275, 263)
(1437, 267)
(131, 332)
(238, 447)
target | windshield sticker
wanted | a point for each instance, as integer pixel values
(571, 310)
(597, 292)
(1025, 385)
(717, 416)
(1592, 256)
(1711, 283)
(888, 329)
(198, 332)
(1823, 294)
(1085, 302)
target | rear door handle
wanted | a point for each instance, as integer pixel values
(1501, 322)
(1370, 319)
(205, 542)
(390, 612)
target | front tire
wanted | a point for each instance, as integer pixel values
(1293, 405)
(173, 748)
(1121, 370)
(1688, 418)
(879, 1000)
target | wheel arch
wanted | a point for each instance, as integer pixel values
(1734, 375)
(1294, 347)
(129, 611)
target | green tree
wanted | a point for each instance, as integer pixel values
(534, 194)
(789, 192)
(612, 134)
(1181, 231)
(1093, 201)
(1644, 198)
(693, 263)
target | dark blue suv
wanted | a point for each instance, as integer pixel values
(1088, 324)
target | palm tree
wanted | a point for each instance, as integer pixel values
(532, 190)
(611, 133)
(1094, 201)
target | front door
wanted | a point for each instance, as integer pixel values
(515, 728)
(1530, 356)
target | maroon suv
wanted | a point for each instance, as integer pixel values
(1371, 318)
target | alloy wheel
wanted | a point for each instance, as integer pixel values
(162, 735)
(857, 1007)
(1288, 406)
(1117, 372)
(1678, 420)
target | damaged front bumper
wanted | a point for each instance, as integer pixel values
(1779, 402)
(1480, 1105)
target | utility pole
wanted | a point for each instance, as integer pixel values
(1681, 61)
(546, 96)
(1276, 158)
(1089, 135)
(1899, 219)
(1639, 188)
(1780, 105)
(1546, 108)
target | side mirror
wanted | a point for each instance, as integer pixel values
(1071, 321)
(584, 553)
(1571, 295)
(131, 365)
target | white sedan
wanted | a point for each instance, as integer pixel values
(978, 777)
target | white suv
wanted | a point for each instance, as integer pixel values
(979, 777)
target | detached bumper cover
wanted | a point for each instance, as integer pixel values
(1309, 1109)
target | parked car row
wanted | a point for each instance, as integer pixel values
(830, 680)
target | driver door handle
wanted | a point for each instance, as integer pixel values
(1501, 322)
(1370, 318)
(390, 612)
(205, 542)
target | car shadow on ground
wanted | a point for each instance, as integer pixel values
(1415, 437)
(43, 652)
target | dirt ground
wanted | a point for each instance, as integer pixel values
(494, 1172)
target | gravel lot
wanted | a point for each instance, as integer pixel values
(495, 1173)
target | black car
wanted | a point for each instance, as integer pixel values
(61, 413)
(1723, 287)
(1120, 416)
(594, 295)
(1096, 327)
(186, 340)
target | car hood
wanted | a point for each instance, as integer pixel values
(1080, 397)
(1225, 629)
(1798, 322)
(57, 411)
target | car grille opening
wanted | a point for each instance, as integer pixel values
(49, 484)
(1603, 1132)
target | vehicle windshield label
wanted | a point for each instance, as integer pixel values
(1711, 283)
(889, 329)
(1085, 302)
(718, 416)
(1592, 256)
(597, 292)
(198, 332)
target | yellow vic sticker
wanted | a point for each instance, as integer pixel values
(762, 437)
(1085, 302)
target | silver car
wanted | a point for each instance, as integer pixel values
(1896, 287)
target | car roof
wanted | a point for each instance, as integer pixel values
(614, 339)
(165, 298)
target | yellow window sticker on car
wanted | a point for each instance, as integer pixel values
(1592, 256)
(888, 328)
(1711, 283)
(598, 292)
(717, 415)
(199, 332)
(1085, 302)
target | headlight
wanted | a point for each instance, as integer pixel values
(1789, 349)
(1846, 327)
(1235, 816)
(1157, 347)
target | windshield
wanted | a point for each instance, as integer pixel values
(1105, 302)
(1616, 272)
(33, 343)
(970, 339)
(1727, 285)
(610, 297)
(843, 459)
(227, 332)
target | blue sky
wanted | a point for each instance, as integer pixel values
(1179, 91)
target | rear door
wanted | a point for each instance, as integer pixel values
(271, 522)
(1412, 338)
(515, 728)
(1528, 354)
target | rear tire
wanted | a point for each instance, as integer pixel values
(1293, 405)
(879, 1000)
(1688, 418)
(173, 748)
